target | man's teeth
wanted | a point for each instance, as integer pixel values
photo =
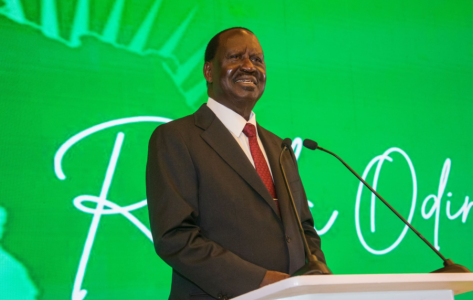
(244, 80)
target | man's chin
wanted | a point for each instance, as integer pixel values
(248, 92)
(251, 97)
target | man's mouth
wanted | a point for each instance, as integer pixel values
(252, 81)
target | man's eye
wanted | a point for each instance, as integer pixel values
(234, 56)
(258, 59)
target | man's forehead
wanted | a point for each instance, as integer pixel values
(239, 39)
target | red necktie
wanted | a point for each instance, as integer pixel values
(260, 162)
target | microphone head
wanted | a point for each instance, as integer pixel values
(286, 143)
(312, 145)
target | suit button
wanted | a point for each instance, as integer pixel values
(220, 297)
(288, 239)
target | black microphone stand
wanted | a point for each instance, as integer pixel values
(449, 265)
(312, 266)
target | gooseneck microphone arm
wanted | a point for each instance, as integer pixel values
(449, 265)
(312, 266)
(308, 255)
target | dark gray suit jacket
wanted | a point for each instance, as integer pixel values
(212, 218)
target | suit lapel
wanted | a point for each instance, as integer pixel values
(221, 140)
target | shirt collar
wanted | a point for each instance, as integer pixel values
(233, 121)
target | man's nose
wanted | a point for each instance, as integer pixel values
(247, 65)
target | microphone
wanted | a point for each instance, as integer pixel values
(312, 265)
(312, 145)
(449, 265)
(286, 144)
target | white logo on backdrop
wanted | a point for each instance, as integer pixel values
(434, 209)
(104, 206)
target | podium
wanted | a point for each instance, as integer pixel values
(366, 287)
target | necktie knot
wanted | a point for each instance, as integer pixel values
(249, 130)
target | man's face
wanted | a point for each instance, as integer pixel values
(238, 72)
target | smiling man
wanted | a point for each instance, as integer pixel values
(219, 211)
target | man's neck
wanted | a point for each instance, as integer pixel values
(232, 120)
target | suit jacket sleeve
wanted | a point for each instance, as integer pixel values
(172, 186)
(313, 239)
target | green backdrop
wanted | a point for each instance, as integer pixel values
(387, 85)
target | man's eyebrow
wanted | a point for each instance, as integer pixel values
(260, 54)
(256, 52)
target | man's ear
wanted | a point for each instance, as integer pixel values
(208, 71)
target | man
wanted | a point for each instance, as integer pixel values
(219, 210)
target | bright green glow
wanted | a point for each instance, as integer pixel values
(113, 24)
(49, 18)
(360, 77)
(142, 35)
(16, 283)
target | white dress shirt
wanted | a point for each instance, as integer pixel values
(235, 124)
